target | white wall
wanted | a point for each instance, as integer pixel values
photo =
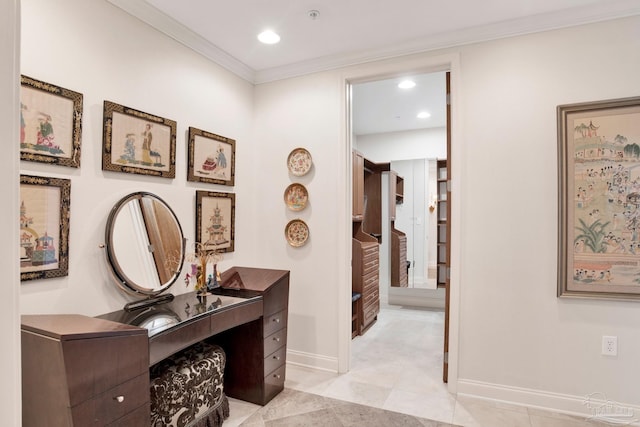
(100, 51)
(405, 145)
(514, 332)
(517, 340)
(9, 119)
(305, 112)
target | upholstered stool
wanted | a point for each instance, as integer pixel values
(187, 388)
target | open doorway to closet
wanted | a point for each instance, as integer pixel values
(401, 210)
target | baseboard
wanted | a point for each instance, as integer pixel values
(310, 360)
(588, 406)
(413, 297)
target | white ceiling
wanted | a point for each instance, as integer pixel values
(348, 32)
(352, 31)
(381, 106)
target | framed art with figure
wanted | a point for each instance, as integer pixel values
(599, 199)
(212, 158)
(44, 227)
(215, 220)
(138, 142)
(50, 123)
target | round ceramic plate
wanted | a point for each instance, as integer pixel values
(296, 196)
(299, 162)
(296, 232)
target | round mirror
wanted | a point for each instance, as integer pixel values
(145, 244)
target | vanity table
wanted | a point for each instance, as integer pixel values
(94, 371)
(246, 316)
(82, 371)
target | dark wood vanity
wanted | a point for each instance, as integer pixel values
(85, 371)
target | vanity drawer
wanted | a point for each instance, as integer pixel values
(98, 364)
(113, 404)
(275, 360)
(275, 341)
(275, 322)
(274, 382)
(165, 344)
(139, 417)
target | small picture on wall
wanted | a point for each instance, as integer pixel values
(50, 123)
(138, 142)
(212, 158)
(44, 227)
(215, 219)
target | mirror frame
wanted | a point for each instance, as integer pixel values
(122, 280)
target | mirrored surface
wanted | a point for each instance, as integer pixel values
(145, 244)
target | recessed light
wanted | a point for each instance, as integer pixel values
(423, 115)
(268, 37)
(407, 84)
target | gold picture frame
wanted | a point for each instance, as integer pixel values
(137, 142)
(50, 123)
(215, 220)
(212, 158)
(44, 227)
(599, 199)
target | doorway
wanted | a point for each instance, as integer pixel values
(412, 146)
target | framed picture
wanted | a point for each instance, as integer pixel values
(599, 199)
(44, 227)
(50, 123)
(137, 142)
(212, 158)
(215, 219)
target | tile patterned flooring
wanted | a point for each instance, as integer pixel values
(396, 369)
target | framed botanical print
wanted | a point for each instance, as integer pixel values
(44, 227)
(212, 158)
(215, 220)
(599, 199)
(50, 123)
(138, 142)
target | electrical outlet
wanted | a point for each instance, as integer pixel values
(609, 345)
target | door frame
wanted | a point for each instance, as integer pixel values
(404, 66)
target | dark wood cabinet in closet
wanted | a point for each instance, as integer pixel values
(366, 236)
(399, 276)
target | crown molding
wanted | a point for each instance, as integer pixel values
(169, 26)
(531, 24)
(516, 27)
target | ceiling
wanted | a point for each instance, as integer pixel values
(352, 31)
(381, 106)
(347, 32)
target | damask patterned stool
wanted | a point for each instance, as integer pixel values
(187, 388)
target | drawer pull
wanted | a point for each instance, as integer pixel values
(276, 339)
(276, 376)
(277, 320)
(276, 357)
(119, 399)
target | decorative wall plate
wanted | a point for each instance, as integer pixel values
(299, 162)
(296, 196)
(296, 232)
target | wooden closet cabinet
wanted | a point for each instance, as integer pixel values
(399, 277)
(365, 278)
(82, 371)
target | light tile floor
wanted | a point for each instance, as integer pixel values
(397, 366)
